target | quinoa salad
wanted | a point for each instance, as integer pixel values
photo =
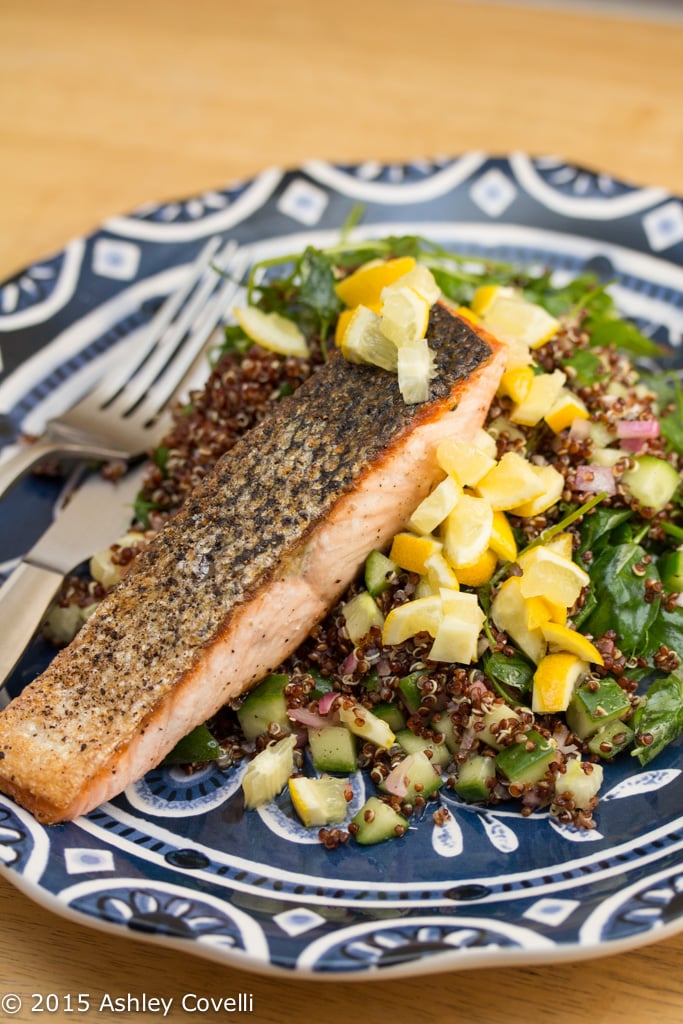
(526, 627)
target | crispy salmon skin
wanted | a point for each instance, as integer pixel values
(255, 557)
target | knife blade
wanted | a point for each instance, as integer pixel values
(94, 516)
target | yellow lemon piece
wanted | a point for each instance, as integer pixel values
(467, 531)
(416, 367)
(364, 286)
(507, 311)
(438, 574)
(342, 323)
(363, 341)
(404, 316)
(457, 635)
(433, 509)
(420, 616)
(463, 460)
(540, 611)
(502, 540)
(555, 680)
(410, 552)
(561, 544)
(566, 408)
(272, 331)
(512, 481)
(480, 572)
(421, 280)
(318, 801)
(509, 614)
(467, 314)
(553, 485)
(549, 575)
(516, 383)
(542, 394)
(561, 638)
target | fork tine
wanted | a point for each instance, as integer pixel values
(110, 387)
(161, 357)
(167, 384)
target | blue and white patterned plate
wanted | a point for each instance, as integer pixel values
(174, 859)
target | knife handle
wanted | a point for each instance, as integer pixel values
(24, 599)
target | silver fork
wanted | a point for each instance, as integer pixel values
(118, 419)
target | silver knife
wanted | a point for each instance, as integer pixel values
(96, 514)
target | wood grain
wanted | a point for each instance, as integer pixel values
(106, 106)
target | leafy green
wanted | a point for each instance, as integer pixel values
(669, 391)
(509, 672)
(588, 367)
(661, 719)
(142, 507)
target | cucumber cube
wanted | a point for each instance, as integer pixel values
(412, 744)
(474, 778)
(265, 705)
(378, 572)
(592, 707)
(333, 749)
(527, 762)
(610, 739)
(376, 822)
(391, 714)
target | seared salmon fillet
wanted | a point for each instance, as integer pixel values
(255, 557)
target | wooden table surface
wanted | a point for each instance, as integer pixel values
(105, 106)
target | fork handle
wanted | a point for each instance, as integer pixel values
(12, 469)
(24, 599)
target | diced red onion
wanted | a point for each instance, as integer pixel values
(395, 781)
(327, 702)
(349, 665)
(632, 444)
(383, 667)
(595, 479)
(308, 718)
(646, 429)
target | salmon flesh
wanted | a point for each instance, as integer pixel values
(255, 557)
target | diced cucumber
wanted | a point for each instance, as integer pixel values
(420, 776)
(493, 715)
(526, 762)
(391, 714)
(594, 706)
(376, 822)
(582, 779)
(378, 572)
(408, 685)
(199, 745)
(610, 739)
(474, 778)
(333, 749)
(263, 706)
(671, 571)
(361, 613)
(411, 744)
(267, 773)
(366, 725)
(652, 481)
(442, 723)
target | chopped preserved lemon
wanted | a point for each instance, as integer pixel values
(510, 482)
(516, 383)
(433, 509)
(509, 613)
(555, 680)
(438, 574)
(457, 636)
(343, 321)
(319, 801)
(507, 311)
(542, 394)
(463, 460)
(363, 341)
(267, 773)
(561, 544)
(502, 538)
(561, 638)
(566, 408)
(272, 331)
(363, 723)
(549, 575)
(404, 316)
(467, 531)
(410, 552)
(541, 611)
(416, 368)
(468, 314)
(365, 285)
(479, 572)
(421, 280)
(553, 485)
(406, 620)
